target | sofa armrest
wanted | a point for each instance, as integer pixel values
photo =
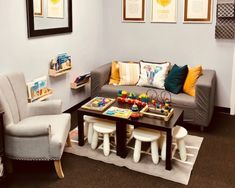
(205, 96)
(26, 130)
(99, 77)
(50, 107)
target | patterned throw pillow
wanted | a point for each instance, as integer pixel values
(153, 74)
(129, 73)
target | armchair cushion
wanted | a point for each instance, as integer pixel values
(51, 107)
(28, 129)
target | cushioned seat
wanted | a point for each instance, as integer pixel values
(180, 99)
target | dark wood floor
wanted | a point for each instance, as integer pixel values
(215, 166)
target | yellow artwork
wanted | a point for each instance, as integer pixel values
(164, 11)
(55, 8)
(164, 3)
(55, 1)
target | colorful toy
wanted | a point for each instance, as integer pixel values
(98, 103)
(144, 98)
(124, 94)
(135, 112)
(118, 112)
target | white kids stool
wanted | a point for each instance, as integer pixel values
(179, 133)
(146, 135)
(105, 128)
(88, 126)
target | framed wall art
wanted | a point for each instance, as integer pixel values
(164, 11)
(48, 17)
(133, 10)
(38, 7)
(55, 8)
(198, 11)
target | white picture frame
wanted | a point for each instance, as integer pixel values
(164, 11)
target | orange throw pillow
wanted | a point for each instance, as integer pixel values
(191, 79)
(115, 77)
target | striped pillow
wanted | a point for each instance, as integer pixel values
(129, 73)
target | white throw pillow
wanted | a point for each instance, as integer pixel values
(129, 73)
(153, 74)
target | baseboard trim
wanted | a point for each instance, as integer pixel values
(220, 109)
(75, 107)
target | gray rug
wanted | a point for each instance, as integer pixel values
(180, 172)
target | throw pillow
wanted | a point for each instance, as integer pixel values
(153, 74)
(114, 78)
(129, 73)
(175, 80)
(191, 79)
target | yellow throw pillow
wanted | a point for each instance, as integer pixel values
(129, 73)
(114, 78)
(191, 79)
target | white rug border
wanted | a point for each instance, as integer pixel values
(173, 175)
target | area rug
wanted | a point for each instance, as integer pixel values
(180, 172)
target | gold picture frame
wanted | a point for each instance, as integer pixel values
(133, 10)
(196, 11)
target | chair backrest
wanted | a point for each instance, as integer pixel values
(19, 88)
(13, 97)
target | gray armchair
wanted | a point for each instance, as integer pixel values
(33, 131)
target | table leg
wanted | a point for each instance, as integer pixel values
(168, 149)
(121, 139)
(80, 129)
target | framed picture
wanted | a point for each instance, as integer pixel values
(38, 7)
(198, 11)
(133, 10)
(55, 8)
(164, 11)
(58, 19)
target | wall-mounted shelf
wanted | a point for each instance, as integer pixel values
(80, 82)
(75, 86)
(55, 73)
(42, 97)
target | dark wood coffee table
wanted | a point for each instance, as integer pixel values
(121, 125)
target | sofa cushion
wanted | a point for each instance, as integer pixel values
(175, 80)
(115, 77)
(178, 100)
(153, 74)
(191, 79)
(129, 73)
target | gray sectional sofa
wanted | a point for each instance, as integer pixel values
(198, 110)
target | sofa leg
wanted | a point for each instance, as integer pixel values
(9, 165)
(58, 168)
(202, 128)
(68, 141)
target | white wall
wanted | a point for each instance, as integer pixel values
(178, 43)
(99, 36)
(32, 56)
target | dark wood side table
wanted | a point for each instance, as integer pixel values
(3, 177)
